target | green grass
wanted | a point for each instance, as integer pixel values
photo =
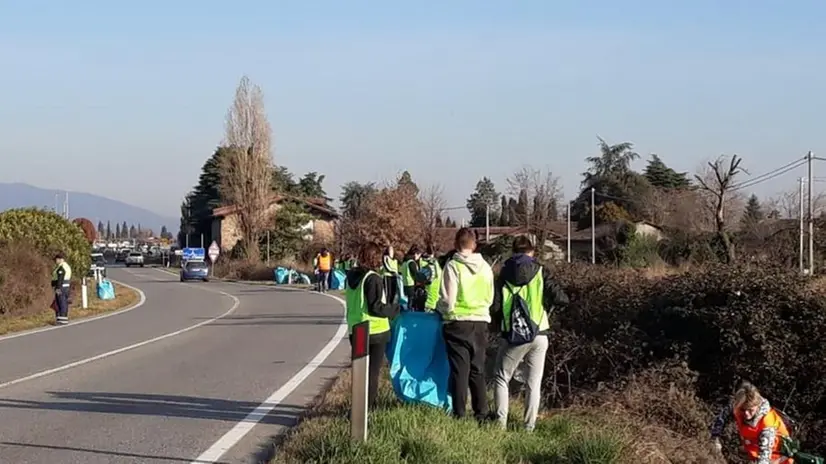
(419, 434)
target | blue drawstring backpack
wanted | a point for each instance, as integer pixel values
(419, 369)
(106, 290)
(281, 274)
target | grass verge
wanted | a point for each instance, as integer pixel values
(124, 297)
(418, 434)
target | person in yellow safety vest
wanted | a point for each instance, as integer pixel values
(61, 282)
(431, 288)
(522, 275)
(465, 296)
(410, 267)
(389, 271)
(323, 264)
(759, 426)
(367, 301)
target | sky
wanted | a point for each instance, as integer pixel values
(128, 99)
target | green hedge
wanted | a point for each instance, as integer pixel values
(48, 233)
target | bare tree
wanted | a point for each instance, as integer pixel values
(247, 170)
(787, 203)
(543, 198)
(718, 184)
(433, 203)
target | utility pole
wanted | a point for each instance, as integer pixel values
(593, 230)
(56, 196)
(487, 222)
(811, 219)
(568, 214)
(800, 213)
(66, 207)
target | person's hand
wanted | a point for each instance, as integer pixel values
(716, 445)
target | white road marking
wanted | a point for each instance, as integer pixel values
(236, 303)
(137, 305)
(231, 438)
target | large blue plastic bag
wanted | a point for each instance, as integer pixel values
(281, 274)
(338, 280)
(400, 293)
(106, 290)
(419, 369)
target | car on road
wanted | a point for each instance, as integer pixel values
(98, 265)
(195, 270)
(135, 258)
(121, 256)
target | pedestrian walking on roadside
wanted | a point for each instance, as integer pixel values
(323, 265)
(61, 283)
(367, 301)
(525, 294)
(465, 297)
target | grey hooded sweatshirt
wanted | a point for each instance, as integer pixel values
(476, 264)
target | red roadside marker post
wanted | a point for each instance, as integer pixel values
(360, 356)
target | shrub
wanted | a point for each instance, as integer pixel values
(87, 227)
(24, 280)
(727, 324)
(48, 233)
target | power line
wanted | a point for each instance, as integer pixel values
(769, 175)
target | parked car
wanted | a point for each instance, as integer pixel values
(195, 270)
(135, 258)
(98, 265)
(121, 255)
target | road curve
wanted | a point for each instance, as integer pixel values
(177, 380)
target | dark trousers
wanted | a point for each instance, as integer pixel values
(466, 343)
(323, 281)
(377, 350)
(391, 287)
(61, 303)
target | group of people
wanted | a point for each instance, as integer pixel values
(460, 286)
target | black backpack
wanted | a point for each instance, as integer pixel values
(522, 328)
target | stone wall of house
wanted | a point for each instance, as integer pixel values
(230, 232)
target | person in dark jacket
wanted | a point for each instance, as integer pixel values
(522, 275)
(367, 301)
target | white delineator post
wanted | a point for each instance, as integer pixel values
(360, 356)
(214, 251)
(84, 298)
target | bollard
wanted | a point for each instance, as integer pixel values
(360, 356)
(84, 298)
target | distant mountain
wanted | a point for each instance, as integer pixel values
(93, 207)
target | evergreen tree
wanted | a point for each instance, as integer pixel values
(108, 230)
(101, 229)
(521, 211)
(504, 214)
(311, 186)
(485, 196)
(124, 230)
(117, 231)
(662, 176)
(133, 232)
(406, 180)
(753, 213)
(439, 221)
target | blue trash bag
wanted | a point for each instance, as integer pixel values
(303, 278)
(419, 369)
(106, 290)
(281, 274)
(338, 280)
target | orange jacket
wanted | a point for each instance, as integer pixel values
(325, 262)
(769, 427)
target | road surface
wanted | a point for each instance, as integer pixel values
(198, 373)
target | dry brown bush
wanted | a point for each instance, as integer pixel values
(393, 215)
(24, 280)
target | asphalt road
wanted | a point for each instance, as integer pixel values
(151, 385)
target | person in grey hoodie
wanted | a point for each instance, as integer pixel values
(465, 296)
(526, 277)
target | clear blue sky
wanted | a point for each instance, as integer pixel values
(127, 99)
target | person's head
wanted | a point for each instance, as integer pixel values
(465, 240)
(59, 257)
(370, 256)
(522, 245)
(389, 251)
(414, 252)
(430, 252)
(747, 400)
(324, 252)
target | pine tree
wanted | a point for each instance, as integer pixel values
(485, 196)
(439, 221)
(117, 231)
(753, 213)
(101, 229)
(521, 213)
(660, 175)
(108, 230)
(504, 216)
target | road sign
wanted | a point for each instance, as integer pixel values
(214, 251)
(193, 254)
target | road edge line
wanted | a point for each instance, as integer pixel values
(242, 428)
(138, 304)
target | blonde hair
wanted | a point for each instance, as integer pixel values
(747, 396)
